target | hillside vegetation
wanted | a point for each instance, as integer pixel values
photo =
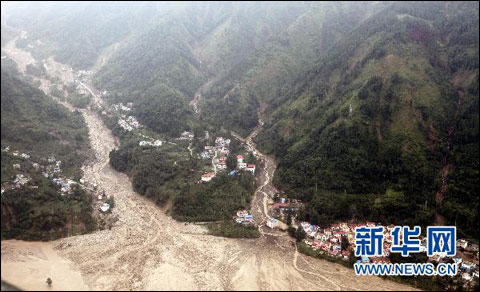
(34, 124)
(390, 108)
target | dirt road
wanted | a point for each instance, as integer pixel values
(147, 249)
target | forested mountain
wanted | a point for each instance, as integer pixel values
(34, 124)
(371, 108)
(389, 112)
(61, 29)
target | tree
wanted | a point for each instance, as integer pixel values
(49, 282)
(291, 231)
(251, 158)
(231, 162)
(289, 219)
(300, 234)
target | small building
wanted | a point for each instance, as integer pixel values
(242, 213)
(105, 207)
(466, 277)
(222, 165)
(187, 135)
(239, 158)
(20, 180)
(242, 165)
(36, 166)
(272, 223)
(16, 166)
(462, 243)
(251, 168)
(208, 177)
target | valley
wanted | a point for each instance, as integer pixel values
(146, 249)
(237, 145)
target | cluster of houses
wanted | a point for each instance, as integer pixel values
(16, 153)
(52, 170)
(283, 206)
(155, 143)
(221, 145)
(129, 123)
(81, 73)
(208, 152)
(121, 107)
(104, 206)
(328, 241)
(66, 185)
(19, 181)
(222, 148)
(244, 218)
(186, 136)
(243, 165)
(468, 266)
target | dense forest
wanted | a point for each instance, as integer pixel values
(217, 200)
(378, 120)
(169, 173)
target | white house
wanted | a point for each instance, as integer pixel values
(462, 243)
(272, 223)
(105, 207)
(208, 176)
(239, 158)
(251, 168)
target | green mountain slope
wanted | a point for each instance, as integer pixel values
(383, 115)
(34, 124)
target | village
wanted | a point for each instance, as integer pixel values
(218, 155)
(50, 168)
(219, 164)
(338, 241)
